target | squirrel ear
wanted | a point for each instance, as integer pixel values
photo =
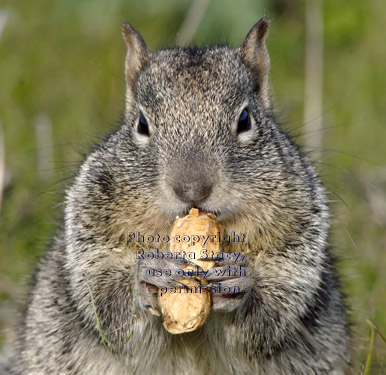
(255, 55)
(138, 54)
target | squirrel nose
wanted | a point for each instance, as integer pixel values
(193, 193)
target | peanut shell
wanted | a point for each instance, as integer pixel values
(185, 311)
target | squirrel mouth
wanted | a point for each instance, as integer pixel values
(182, 210)
(204, 209)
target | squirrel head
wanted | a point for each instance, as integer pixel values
(193, 109)
(198, 132)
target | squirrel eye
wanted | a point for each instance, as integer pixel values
(244, 124)
(143, 126)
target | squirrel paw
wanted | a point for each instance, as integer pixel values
(155, 272)
(229, 282)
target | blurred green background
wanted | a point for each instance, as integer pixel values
(62, 87)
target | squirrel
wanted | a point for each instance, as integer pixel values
(198, 131)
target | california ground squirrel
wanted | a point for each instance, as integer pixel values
(197, 132)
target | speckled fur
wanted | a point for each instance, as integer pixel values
(291, 321)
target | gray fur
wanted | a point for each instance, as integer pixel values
(290, 318)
